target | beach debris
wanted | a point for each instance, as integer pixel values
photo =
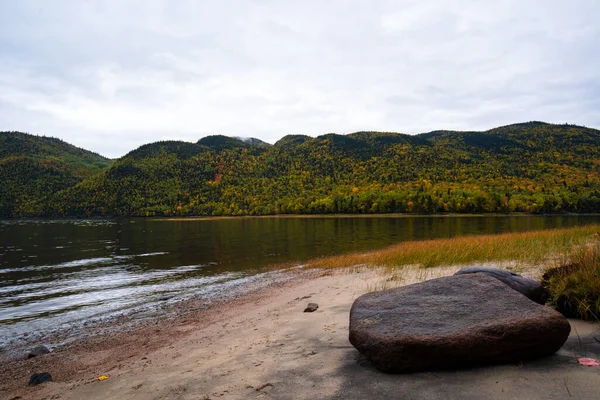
(455, 321)
(36, 379)
(38, 351)
(311, 307)
(589, 362)
(103, 377)
(527, 287)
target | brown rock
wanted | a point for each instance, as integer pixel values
(311, 307)
(456, 321)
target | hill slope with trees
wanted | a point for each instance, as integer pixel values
(532, 167)
(32, 167)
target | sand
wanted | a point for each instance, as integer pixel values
(264, 346)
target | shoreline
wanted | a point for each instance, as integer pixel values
(262, 345)
(119, 335)
(444, 251)
(129, 319)
(292, 216)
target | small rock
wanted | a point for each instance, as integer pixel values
(38, 351)
(36, 379)
(311, 307)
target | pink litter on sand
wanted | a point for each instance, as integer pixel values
(590, 362)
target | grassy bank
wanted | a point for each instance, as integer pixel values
(574, 288)
(548, 246)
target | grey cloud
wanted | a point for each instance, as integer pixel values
(111, 75)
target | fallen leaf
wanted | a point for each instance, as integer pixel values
(102, 377)
(590, 362)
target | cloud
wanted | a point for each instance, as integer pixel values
(110, 76)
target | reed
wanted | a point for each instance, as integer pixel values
(574, 288)
(552, 246)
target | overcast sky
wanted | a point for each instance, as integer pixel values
(110, 76)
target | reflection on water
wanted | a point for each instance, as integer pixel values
(54, 272)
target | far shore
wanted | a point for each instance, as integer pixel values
(391, 215)
(262, 345)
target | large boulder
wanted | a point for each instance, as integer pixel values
(456, 321)
(525, 286)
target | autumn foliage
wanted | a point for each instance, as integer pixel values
(532, 168)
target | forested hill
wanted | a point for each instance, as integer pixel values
(532, 167)
(31, 167)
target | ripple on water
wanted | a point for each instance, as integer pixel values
(105, 301)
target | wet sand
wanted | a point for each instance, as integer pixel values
(262, 345)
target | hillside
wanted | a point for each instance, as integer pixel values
(533, 167)
(32, 167)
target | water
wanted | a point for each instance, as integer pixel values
(59, 272)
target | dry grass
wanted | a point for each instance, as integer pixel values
(529, 248)
(407, 275)
(574, 287)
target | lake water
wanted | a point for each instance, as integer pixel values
(57, 272)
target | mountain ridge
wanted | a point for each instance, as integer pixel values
(532, 167)
(32, 166)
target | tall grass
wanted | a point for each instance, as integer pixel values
(574, 288)
(524, 248)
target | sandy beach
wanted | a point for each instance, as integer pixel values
(262, 345)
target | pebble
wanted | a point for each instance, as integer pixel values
(38, 351)
(36, 379)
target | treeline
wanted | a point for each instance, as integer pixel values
(533, 167)
(32, 168)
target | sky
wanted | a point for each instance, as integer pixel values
(110, 76)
